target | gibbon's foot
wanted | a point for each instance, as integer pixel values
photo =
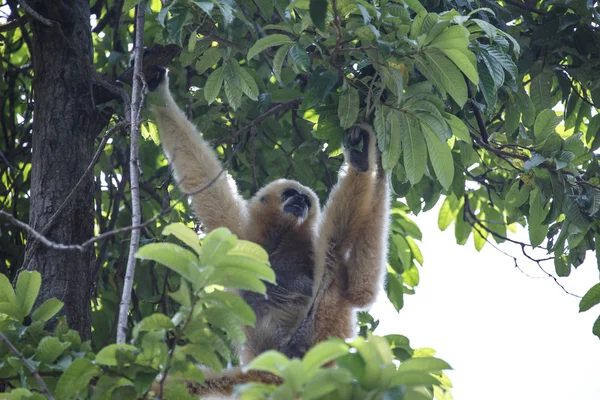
(358, 158)
(156, 77)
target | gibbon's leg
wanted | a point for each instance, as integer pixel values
(196, 165)
(356, 222)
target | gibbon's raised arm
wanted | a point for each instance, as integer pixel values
(353, 237)
(196, 165)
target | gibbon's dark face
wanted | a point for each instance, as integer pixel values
(285, 200)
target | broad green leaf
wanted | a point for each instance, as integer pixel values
(382, 128)
(541, 91)
(234, 304)
(391, 154)
(232, 81)
(277, 39)
(462, 228)
(7, 293)
(561, 266)
(455, 37)
(537, 214)
(423, 364)
(459, 129)
(46, 310)
(414, 378)
(415, 151)
(300, 57)
(249, 86)
(440, 156)
(326, 381)
(185, 234)
(545, 124)
(249, 249)
(512, 116)
(321, 354)
(49, 348)
(402, 251)
(348, 108)
(462, 61)
(414, 249)
(271, 361)
(153, 322)
(213, 85)
(394, 290)
(12, 310)
(237, 278)
(108, 355)
(526, 107)
(216, 244)
(590, 299)
(278, 60)
(318, 12)
(261, 269)
(183, 295)
(444, 73)
(487, 85)
(28, 287)
(448, 212)
(416, 6)
(177, 390)
(596, 327)
(173, 256)
(209, 58)
(504, 60)
(75, 379)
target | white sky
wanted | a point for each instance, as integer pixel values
(507, 336)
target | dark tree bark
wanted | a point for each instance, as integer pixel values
(66, 124)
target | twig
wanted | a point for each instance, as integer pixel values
(477, 112)
(136, 214)
(70, 196)
(525, 7)
(30, 367)
(36, 15)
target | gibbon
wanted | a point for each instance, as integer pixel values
(326, 263)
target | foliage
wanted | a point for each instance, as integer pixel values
(199, 333)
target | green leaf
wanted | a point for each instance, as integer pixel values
(277, 39)
(28, 287)
(232, 80)
(234, 304)
(173, 256)
(249, 249)
(487, 85)
(440, 70)
(216, 244)
(271, 361)
(395, 293)
(108, 355)
(74, 381)
(278, 60)
(213, 85)
(590, 299)
(402, 251)
(537, 214)
(415, 151)
(462, 229)
(153, 322)
(348, 108)
(596, 328)
(322, 354)
(561, 266)
(545, 124)
(209, 58)
(462, 61)
(318, 12)
(455, 37)
(459, 129)
(448, 212)
(12, 310)
(423, 364)
(391, 154)
(416, 6)
(512, 116)
(249, 86)
(46, 310)
(49, 349)
(382, 128)
(177, 390)
(325, 382)
(440, 156)
(7, 293)
(504, 60)
(300, 57)
(185, 234)
(541, 91)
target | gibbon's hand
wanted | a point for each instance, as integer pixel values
(355, 139)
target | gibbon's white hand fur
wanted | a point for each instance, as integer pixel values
(326, 263)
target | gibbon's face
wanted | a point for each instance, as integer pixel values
(285, 199)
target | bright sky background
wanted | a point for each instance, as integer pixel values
(507, 336)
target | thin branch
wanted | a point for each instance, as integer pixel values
(477, 112)
(9, 26)
(525, 7)
(36, 15)
(136, 214)
(30, 367)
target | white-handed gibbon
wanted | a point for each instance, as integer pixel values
(327, 263)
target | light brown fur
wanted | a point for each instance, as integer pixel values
(326, 265)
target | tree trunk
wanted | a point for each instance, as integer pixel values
(66, 123)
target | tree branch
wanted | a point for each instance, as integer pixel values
(134, 173)
(36, 15)
(30, 367)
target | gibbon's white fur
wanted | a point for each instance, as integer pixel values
(327, 263)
